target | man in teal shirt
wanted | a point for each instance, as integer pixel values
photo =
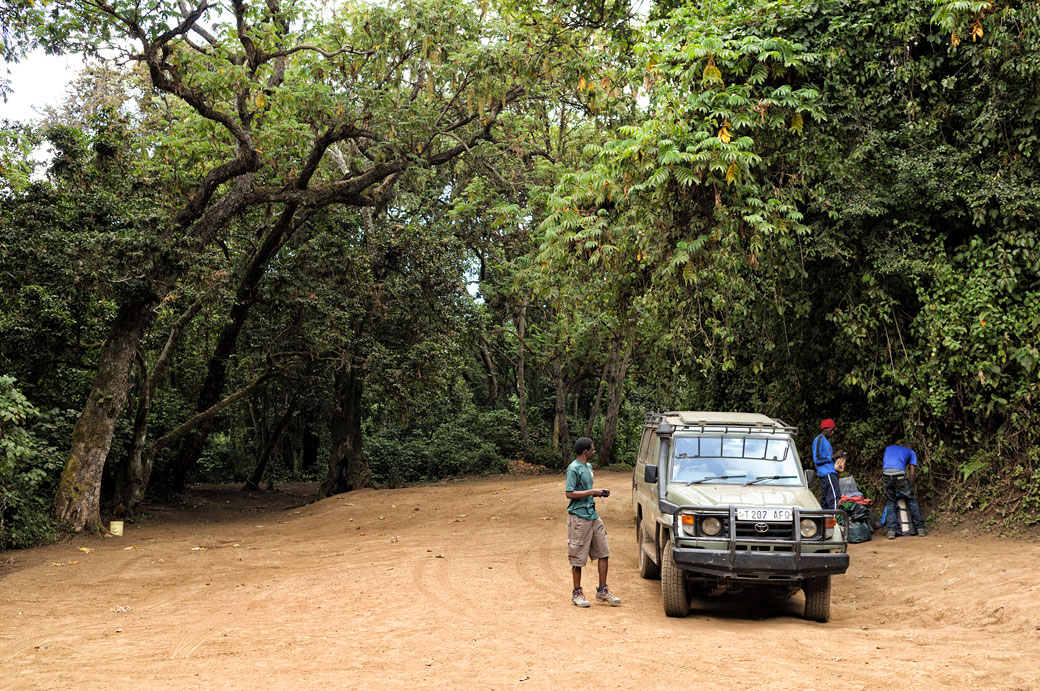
(586, 536)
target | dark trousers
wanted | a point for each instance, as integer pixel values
(900, 486)
(829, 491)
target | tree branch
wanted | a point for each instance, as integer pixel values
(185, 427)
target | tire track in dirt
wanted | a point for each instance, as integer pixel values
(536, 570)
(191, 641)
(172, 598)
(15, 649)
(446, 584)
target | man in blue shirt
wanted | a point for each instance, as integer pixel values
(824, 457)
(586, 536)
(897, 474)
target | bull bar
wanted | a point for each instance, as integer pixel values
(730, 563)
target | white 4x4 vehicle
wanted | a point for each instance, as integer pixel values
(721, 503)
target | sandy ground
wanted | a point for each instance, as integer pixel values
(466, 585)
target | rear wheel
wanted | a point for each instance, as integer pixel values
(673, 585)
(818, 598)
(648, 568)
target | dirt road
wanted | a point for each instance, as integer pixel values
(466, 585)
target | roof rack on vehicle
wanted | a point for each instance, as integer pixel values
(773, 425)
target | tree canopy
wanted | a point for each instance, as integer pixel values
(378, 244)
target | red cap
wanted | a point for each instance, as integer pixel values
(827, 423)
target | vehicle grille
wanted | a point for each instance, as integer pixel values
(779, 531)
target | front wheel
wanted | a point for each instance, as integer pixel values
(818, 598)
(648, 568)
(673, 585)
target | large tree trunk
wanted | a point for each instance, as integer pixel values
(216, 374)
(128, 469)
(562, 430)
(348, 469)
(521, 377)
(615, 389)
(79, 490)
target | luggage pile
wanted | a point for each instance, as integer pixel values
(861, 518)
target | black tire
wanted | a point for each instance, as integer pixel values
(648, 568)
(818, 598)
(673, 585)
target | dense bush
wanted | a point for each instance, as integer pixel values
(28, 469)
(476, 442)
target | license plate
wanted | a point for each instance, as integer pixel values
(763, 514)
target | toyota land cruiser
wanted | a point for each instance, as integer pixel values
(722, 504)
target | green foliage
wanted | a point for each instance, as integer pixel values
(27, 471)
(225, 459)
(476, 443)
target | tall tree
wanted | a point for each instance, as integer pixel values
(271, 91)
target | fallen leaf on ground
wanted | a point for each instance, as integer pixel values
(63, 563)
(127, 549)
(439, 556)
(198, 549)
(547, 518)
(88, 550)
(121, 608)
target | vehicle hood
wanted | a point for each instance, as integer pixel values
(735, 494)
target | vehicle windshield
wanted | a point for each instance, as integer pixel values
(734, 460)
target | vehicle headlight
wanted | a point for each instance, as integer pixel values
(809, 528)
(711, 526)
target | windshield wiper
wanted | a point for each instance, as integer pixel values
(715, 477)
(770, 477)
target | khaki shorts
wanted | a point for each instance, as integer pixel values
(585, 540)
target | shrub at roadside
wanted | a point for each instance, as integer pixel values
(28, 471)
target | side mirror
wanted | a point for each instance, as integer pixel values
(650, 474)
(810, 476)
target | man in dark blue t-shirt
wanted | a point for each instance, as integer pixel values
(897, 475)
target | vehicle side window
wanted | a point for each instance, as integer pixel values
(644, 447)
